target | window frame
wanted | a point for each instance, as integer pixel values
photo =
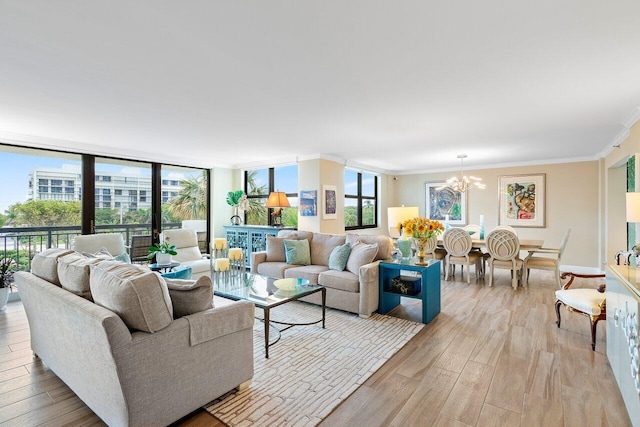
(359, 197)
(271, 188)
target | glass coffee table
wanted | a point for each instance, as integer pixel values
(263, 293)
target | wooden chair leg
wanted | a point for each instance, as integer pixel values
(558, 304)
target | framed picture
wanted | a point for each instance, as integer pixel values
(308, 202)
(522, 200)
(442, 201)
(329, 202)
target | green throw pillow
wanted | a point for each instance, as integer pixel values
(339, 256)
(123, 257)
(297, 252)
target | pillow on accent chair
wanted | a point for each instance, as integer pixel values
(102, 253)
(190, 296)
(139, 296)
(297, 252)
(339, 257)
(361, 254)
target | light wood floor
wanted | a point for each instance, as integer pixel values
(492, 357)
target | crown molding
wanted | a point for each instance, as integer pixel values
(633, 118)
(498, 165)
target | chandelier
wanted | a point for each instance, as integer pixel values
(464, 183)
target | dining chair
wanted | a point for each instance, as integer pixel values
(546, 259)
(457, 243)
(504, 250)
(586, 301)
(474, 232)
(506, 227)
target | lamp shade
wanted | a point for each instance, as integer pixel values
(396, 215)
(633, 207)
(277, 199)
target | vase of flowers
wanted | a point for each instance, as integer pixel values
(424, 233)
(7, 266)
(162, 252)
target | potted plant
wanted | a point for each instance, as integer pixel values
(162, 252)
(238, 200)
(6, 280)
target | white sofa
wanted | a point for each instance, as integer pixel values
(354, 289)
(128, 376)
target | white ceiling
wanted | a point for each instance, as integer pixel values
(397, 86)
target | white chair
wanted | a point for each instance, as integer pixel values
(189, 255)
(474, 232)
(550, 260)
(586, 301)
(457, 243)
(506, 227)
(92, 243)
(504, 251)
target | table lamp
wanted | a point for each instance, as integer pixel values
(277, 200)
(397, 215)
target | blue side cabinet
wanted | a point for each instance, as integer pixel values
(430, 286)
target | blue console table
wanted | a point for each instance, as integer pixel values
(251, 238)
(430, 286)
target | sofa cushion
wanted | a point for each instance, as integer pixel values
(309, 272)
(385, 244)
(73, 272)
(322, 245)
(275, 249)
(274, 269)
(45, 264)
(140, 297)
(190, 296)
(339, 257)
(360, 255)
(342, 280)
(297, 252)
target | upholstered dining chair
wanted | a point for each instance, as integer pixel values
(506, 227)
(457, 243)
(546, 259)
(474, 231)
(504, 250)
(586, 301)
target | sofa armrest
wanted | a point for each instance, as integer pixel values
(369, 288)
(220, 321)
(257, 258)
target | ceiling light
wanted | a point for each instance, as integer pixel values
(464, 183)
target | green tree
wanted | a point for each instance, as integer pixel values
(44, 213)
(257, 213)
(191, 201)
(3, 220)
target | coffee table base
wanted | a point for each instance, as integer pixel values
(267, 322)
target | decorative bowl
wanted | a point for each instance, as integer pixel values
(286, 284)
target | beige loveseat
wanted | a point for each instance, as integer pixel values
(354, 289)
(128, 376)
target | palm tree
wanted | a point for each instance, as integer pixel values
(191, 201)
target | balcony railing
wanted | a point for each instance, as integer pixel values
(23, 243)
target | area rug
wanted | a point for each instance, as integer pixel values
(311, 370)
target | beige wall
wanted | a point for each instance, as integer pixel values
(222, 181)
(572, 201)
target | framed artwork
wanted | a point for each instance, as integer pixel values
(329, 202)
(442, 201)
(522, 200)
(308, 202)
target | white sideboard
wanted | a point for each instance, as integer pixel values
(623, 303)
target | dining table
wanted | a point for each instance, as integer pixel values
(525, 244)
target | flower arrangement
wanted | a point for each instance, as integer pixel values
(421, 228)
(163, 248)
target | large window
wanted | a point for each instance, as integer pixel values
(44, 205)
(631, 187)
(260, 182)
(360, 200)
